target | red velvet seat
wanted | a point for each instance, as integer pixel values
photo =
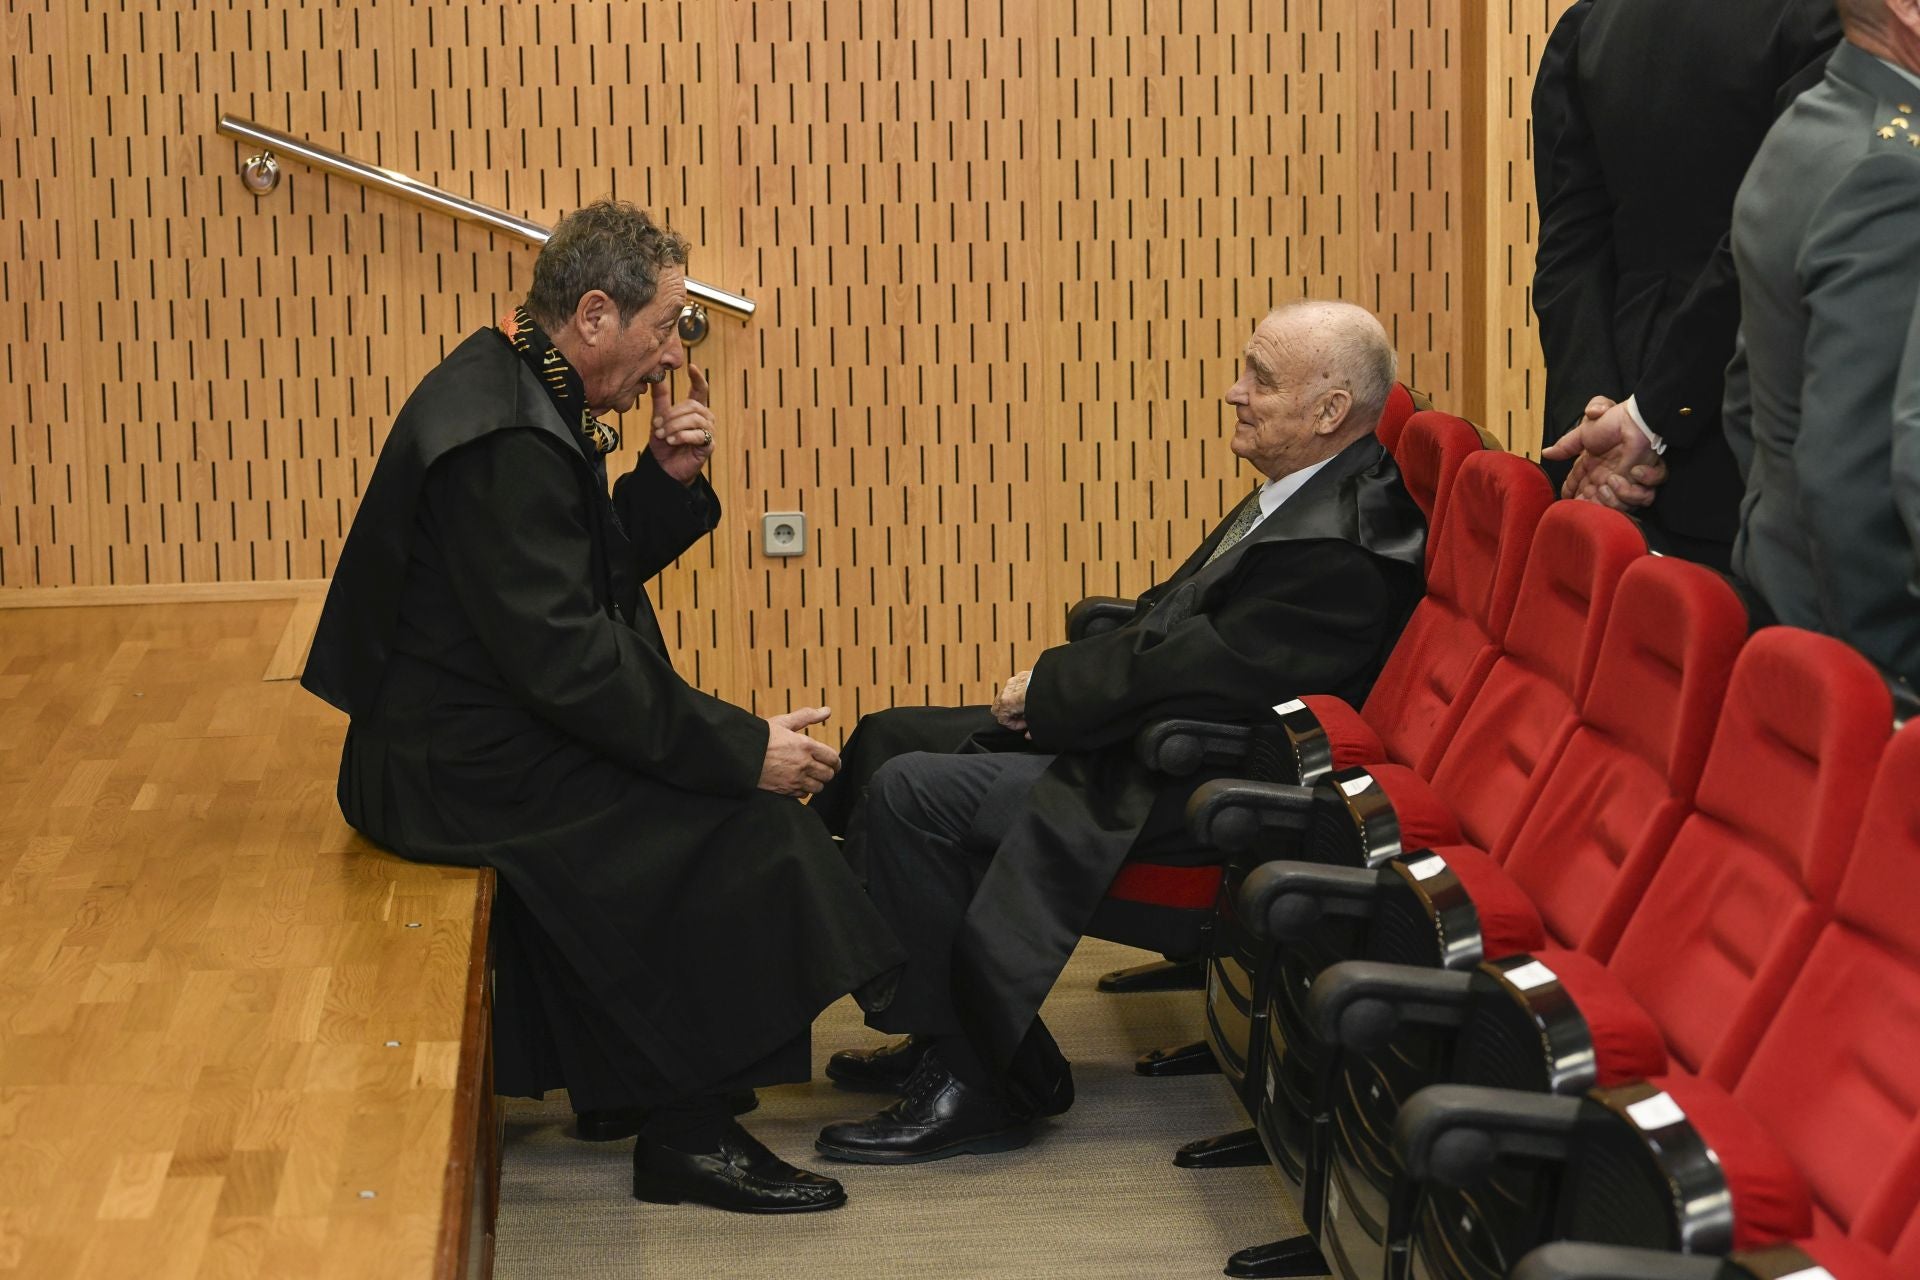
(1429, 454)
(1474, 568)
(1732, 911)
(1393, 418)
(1523, 713)
(1728, 921)
(1817, 1140)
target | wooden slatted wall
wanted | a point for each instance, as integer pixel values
(1006, 254)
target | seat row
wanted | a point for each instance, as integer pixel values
(1634, 889)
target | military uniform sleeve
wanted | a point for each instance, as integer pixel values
(1574, 268)
(1301, 617)
(1860, 275)
(510, 517)
(662, 517)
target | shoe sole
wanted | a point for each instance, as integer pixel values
(859, 1084)
(667, 1197)
(985, 1145)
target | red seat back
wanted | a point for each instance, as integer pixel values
(1473, 576)
(1429, 455)
(1393, 418)
(1751, 877)
(1528, 704)
(1836, 1078)
(1608, 808)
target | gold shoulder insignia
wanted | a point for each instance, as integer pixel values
(1905, 110)
(1887, 131)
(1913, 139)
(1898, 122)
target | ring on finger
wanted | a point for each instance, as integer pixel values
(706, 436)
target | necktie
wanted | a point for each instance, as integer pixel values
(1242, 525)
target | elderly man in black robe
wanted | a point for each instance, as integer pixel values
(670, 918)
(989, 861)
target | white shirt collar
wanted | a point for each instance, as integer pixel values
(1275, 492)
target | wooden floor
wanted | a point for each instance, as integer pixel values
(228, 1030)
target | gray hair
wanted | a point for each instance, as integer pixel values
(609, 245)
(1359, 353)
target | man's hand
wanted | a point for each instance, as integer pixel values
(796, 765)
(1010, 707)
(1615, 464)
(682, 438)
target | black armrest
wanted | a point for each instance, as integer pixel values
(1284, 900)
(1096, 614)
(1570, 1261)
(1180, 747)
(1234, 814)
(1455, 1134)
(1360, 1004)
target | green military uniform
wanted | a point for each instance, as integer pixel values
(1826, 234)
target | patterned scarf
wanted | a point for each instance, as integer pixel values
(560, 378)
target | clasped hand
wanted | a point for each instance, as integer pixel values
(796, 765)
(682, 434)
(1615, 464)
(1010, 706)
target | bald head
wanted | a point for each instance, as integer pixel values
(1315, 379)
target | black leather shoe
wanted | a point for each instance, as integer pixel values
(882, 1070)
(742, 1177)
(937, 1116)
(613, 1124)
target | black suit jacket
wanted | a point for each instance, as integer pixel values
(1646, 116)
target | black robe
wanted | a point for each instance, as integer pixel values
(1310, 602)
(513, 705)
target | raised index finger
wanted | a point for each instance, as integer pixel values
(697, 384)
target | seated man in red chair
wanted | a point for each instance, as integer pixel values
(989, 861)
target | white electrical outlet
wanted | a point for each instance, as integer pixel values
(783, 533)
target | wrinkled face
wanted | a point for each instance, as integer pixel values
(1282, 413)
(620, 361)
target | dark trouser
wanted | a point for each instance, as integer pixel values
(932, 824)
(550, 1033)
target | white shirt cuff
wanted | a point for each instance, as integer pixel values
(1653, 437)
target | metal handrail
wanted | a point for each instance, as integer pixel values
(432, 197)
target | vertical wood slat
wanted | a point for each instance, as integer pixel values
(1006, 256)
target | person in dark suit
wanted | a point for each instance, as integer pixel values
(988, 862)
(669, 917)
(1826, 232)
(1646, 115)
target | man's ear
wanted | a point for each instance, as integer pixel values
(592, 316)
(1334, 408)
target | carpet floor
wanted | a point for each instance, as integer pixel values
(1095, 1195)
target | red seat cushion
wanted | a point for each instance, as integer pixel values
(1627, 1043)
(1845, 1259)
(1393, 418)
(1424, 819)
(1508, 922)
(1834, 1076)
(1771, 1200)
(1473, 577)
(1603, 819)
(1351, 739)
(1160, 885)
(1526, 707)
(1429, 454)
(1729, 917)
